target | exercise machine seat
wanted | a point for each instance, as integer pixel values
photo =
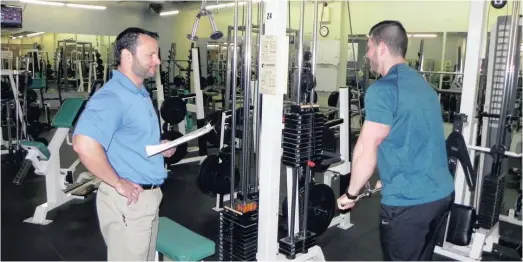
(180, 243)
(41, 147)
(68, 112)
(38, 83)
(461, 224)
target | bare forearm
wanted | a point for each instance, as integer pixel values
(363, 164)
(93, 157)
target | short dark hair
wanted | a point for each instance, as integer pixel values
(128, 39)
(392, 34)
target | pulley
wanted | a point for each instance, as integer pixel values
(181, 150)
(173, 110)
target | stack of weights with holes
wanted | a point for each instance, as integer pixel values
(239, 232)
(99, 66)
(302, 147)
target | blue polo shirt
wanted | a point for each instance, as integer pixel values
(121, 117)
(412, 159)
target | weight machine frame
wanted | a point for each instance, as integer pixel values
(276, 41)
(482, 239)
(197, 108)
(19, 113)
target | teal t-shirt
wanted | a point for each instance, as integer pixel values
(412, 159)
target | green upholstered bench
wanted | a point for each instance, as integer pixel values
(68, 112)
(42, 149)
(181, 244)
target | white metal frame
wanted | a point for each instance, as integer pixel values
(482, 239)
(342, 168)
(55, 182)
(274, 41)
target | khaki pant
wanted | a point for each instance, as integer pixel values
(129, 231)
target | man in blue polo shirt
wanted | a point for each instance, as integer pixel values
(119, 120)
(403, 134)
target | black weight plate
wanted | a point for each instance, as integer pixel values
(322, 204)
(222, 181)
(33, 113)
(308, 82)
(181, 150)
(209, 169)
(321, 208)
(31, 96)
(173, 110)
(333, 99)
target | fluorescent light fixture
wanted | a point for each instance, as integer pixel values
(218, 6)
(424, 35)
(37, 2)
(173, 12)
(35, 34)
(96, 7)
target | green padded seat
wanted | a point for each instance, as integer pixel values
(40, 146)
(181, 244)
(68, 112)
(38, 83)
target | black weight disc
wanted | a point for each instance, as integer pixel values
(181, 150)
(173, 110)
(209, 169)
(321, 208)
(308, 82)
(222, 180)
(322, 204)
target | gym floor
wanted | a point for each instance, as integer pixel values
(75, 234)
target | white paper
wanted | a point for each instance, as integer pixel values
(156, 149)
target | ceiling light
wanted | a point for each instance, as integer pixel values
(424, 35)
(35, 34)
(96, 7)
(37, 2)
(174, 12)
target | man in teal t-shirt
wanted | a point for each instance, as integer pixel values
(403, 134)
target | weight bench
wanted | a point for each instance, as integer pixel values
(46, 162)
(181, 244)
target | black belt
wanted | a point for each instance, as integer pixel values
(149, 186)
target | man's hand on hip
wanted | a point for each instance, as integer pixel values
(169, 152)
(129, 190)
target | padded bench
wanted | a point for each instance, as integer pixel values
(68, 112)
(181, 244)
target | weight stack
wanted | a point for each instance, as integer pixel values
(238, 236)
(302, 135)
(491, 200)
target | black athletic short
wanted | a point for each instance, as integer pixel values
(408, 233)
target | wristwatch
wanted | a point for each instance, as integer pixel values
(351, 197)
